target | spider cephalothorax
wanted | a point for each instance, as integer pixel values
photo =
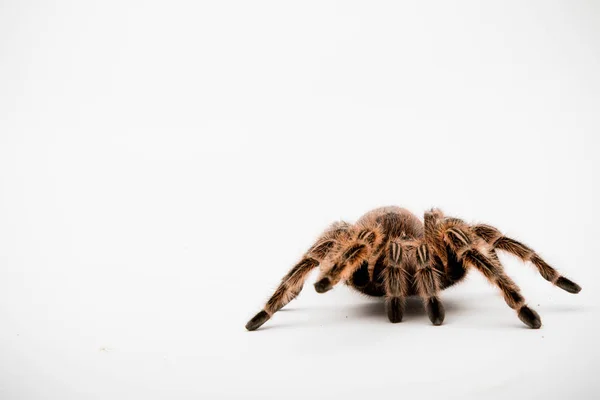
(390, 252)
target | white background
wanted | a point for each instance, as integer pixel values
(163, 164)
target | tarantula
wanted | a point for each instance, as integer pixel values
(390, 252)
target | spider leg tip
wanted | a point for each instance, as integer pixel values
(257, 321)
(395, 310)
(435, 311)
(530, 317)
(568, 285)
(323, 285)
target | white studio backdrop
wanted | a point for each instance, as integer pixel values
(163, 164)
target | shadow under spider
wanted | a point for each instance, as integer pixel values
(374, 308)
(413, 307)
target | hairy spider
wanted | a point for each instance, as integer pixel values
(390, 252)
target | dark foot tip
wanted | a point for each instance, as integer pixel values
(435, 311)
(258, 320)
(530, 317)
(568, 285)
(323, 285)
(394, 310)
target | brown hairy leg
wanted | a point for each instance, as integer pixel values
(461, 243)
(500, 242)
(293, 281)
(288, 289)
(349, 259)
(395, 282)
(427, 280)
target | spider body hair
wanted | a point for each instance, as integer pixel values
(390, 253)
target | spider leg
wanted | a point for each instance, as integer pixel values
(288, 289)
(467, 250)
(395, 282)
(293, 281)
(349, 259)
(500, 242)
(427, 280)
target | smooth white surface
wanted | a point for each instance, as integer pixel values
(163, 164)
